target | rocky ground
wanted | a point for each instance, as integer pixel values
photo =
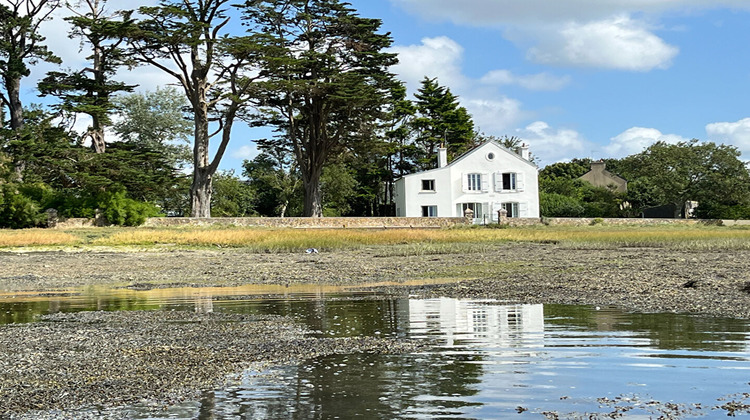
(78, 359)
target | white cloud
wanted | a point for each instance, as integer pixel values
(244, 152)
(436, 57)
(636, 139)
(502, 12)
(442, 57)
(540, 81)
(552, 145)
(618, 43)
(734, 133)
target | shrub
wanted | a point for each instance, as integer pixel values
(123, 211)
(18, 211)
(558, 205)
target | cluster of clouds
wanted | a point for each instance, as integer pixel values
(619, 35)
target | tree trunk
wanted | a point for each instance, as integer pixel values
(313, 195)
(13, 86)
(97, 139)
(200, 194)
(202, 174)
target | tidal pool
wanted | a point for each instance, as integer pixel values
(488, 360)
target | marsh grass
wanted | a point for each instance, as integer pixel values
(390, 242)
(36, 237)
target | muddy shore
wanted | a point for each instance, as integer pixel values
(644, 279)
(97, 352)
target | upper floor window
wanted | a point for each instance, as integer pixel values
(474, 182)
(428, 185)
(509, 182)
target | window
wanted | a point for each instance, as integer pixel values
(474, 182)
(512, 209)
(428, 185)
(509, 181)
(475, 207)
(429, 211)
(490, 156)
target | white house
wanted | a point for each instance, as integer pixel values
(485, 180)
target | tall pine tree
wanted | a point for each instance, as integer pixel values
(326, 79)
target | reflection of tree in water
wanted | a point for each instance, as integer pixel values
(667, 331)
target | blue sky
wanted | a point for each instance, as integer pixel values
(572, 78)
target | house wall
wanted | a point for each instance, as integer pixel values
(449, 191)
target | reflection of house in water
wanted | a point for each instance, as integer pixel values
(482, 321)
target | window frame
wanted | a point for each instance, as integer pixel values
(474, 182)
(428, 182)
(429, 211)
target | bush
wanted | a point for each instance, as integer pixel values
(17, 210)
(558, 205)
(122, 211)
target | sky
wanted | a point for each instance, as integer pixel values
(571, 78)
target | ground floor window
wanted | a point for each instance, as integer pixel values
(475, 207)
(429, 211)
(512, 209)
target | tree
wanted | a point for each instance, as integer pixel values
(325, 78)
(275, 181)
(231, 197)
(673, 174)
(90, 90)
(20, 43)
(184, 38)
(440, 120)
(156, 120)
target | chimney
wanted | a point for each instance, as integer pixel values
(442, 157)
(523, 151)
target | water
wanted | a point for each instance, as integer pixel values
(488, 359)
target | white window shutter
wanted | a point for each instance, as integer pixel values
(519, 182)
(498, 181)
(523, 209)
(465, 182)
(485, 182)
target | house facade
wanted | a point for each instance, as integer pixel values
(486, 179)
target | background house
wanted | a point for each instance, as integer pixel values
(599, 176)
(485, 179)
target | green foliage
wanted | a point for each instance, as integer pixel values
(231, 196)
(708, 173)
(17, 210)
(156, 121)
(120, 210)
(440, 120)
(339, 188)
(275, 183)
(326, 77)
(559, 205)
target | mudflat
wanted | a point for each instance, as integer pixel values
(72, 362)
(639, 279)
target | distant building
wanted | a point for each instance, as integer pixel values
(599, 176)
(482, 181)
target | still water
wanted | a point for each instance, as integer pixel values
(487, 360)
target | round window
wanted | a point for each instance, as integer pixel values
(490, 156)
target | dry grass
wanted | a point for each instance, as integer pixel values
(409, 241)
(436, 240)
(35, 237)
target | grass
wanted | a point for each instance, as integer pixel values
(389, 241)
(36, 237)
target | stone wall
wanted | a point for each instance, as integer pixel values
(311, 222)
(386, 222)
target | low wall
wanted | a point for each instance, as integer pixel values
(388, 222)
(311, 222)
(583, 221)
